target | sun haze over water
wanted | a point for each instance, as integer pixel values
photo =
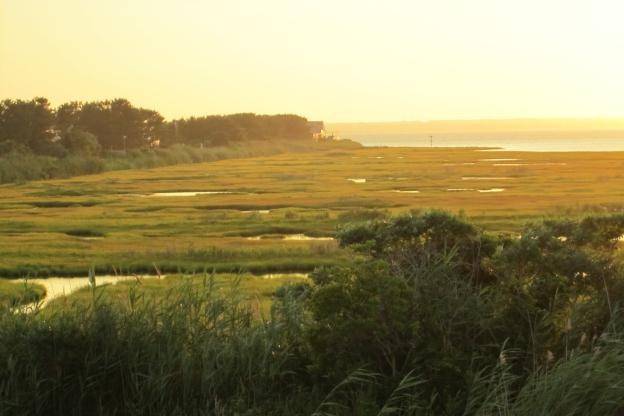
(330, 60)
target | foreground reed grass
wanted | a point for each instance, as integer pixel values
(198, 348)
(193, 351)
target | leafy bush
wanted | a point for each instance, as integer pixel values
(417, 238)
(81, 143)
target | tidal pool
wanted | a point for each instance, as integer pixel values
(290, 237)
(491, 190)
(459, 164)
(401, 191)
(303, 237)
(498, 160)
(284, 275)
(485, 178)
(164, 194)
(63, 286)
(357, 180)
(60, 286)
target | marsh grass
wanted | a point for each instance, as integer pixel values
(65, 204)
(153, 208)
(14, 293)
(33, 215)
(289, 257)
(21, 167)
(201, 346)
(196, 350)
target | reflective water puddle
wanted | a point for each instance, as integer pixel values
(61, 286)
(486, 178)
(303, 237)
(459, 164)
(498, 160)
(290, 237)
(161, 194)
(284, 275)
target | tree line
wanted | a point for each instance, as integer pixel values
(90, 128)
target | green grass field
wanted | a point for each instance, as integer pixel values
(115, 223)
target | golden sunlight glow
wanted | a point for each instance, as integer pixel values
(335, 60)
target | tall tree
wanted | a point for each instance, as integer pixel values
(119, 125)
(27, 122)
(67, 115)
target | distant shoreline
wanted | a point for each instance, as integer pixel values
(544, 141)
(480, 126)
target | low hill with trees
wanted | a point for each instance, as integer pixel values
(38, 141)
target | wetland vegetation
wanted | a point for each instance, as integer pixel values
(218, 215)
(250, 234)
(437, 317)
(324, 280)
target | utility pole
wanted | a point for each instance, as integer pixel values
(431, 141)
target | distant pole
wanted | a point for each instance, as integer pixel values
(431, 141)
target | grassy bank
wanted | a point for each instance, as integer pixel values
(21, 167)
(19, 293)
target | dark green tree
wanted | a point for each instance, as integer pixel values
(28, 123)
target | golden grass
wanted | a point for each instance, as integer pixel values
(304, 192)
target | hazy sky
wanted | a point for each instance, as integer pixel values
(335, 60)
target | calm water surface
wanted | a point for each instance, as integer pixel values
(533, 142)
(62, 286)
